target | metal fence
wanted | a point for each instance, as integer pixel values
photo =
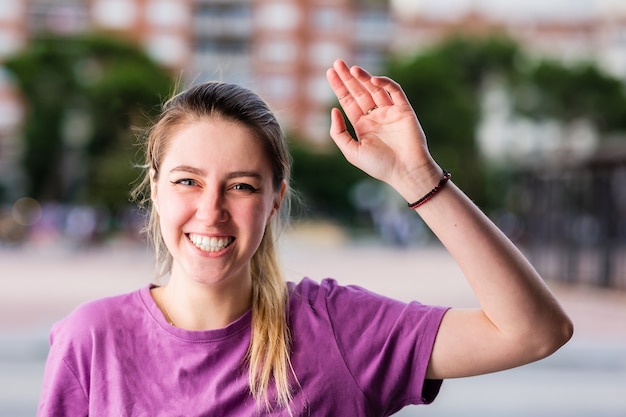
(575, 221)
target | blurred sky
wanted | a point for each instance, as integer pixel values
(513, 9)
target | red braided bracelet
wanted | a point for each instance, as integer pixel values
(431, 193)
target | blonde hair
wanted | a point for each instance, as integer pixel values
(269, 351)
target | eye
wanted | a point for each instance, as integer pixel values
(185, 181)
(244, 187)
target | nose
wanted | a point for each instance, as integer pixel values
(211, 207)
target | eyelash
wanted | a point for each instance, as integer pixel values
(187, 182)
(245, 187)
(182, 181)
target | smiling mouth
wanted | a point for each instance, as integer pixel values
(210, 244)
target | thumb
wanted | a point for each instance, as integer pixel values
(340, 135)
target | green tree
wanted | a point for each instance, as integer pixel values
(324, 180)
(566, 93)
(83, 94)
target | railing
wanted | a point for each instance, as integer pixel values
(574, 223)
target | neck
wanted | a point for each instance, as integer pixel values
(197, 306)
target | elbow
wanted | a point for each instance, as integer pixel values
(564, 332)
(554, 336)
(568, 329)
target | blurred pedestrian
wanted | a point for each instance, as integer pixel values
(227, 336)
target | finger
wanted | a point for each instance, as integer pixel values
(336, 84)
(358, 92)
(380, 96)
(340, 135)
(392, 89)
(350, 106)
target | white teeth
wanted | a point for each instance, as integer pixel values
(210, 244)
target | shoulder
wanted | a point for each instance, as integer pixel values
(97, 316)
(384, 343)
(329, 292)
(310, 289)
(332, 303)
(336, 303)
(104, 309)
(311, 293)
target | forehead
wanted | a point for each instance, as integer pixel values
(215, 142)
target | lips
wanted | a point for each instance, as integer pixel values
(210, 244)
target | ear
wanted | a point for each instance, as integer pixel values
(278, 200)
(153, 189)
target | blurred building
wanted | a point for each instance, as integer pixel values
(593, 30)
(281, 48)
(13, 37)
(162, 27)
(569, 31)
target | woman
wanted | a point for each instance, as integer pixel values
(227, 336)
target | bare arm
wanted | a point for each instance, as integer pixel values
(519, 321)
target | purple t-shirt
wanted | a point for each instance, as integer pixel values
(355, 353)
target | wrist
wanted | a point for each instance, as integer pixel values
(440, 184)
(417, 183)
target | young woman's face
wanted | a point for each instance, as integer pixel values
(214, 196)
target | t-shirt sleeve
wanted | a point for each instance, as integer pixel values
(62, 392)
(385, 343)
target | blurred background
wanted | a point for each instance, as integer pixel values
(524, 102)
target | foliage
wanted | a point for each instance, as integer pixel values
(554, 90)
(83, 93)
(323, 180)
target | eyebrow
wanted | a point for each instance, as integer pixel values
(187, 168)
(230, 175)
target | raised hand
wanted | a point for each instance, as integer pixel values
(519, 320)
(390, 144)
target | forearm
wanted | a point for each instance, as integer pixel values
(511, 293)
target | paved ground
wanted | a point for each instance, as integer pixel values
(41, 284)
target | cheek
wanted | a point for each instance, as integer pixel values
(172, 211)
(253, 217)
(256, 216)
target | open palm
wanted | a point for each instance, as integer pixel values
(390, 144)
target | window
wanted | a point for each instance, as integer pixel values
(10, 42)
(324, 53)
(167, 49)
(319, 90)
(278, 51)
(11, 10)
(278, 16)
(167, 13)
(278, 87)
(328, 19)
(117, 14)
(10, 113)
